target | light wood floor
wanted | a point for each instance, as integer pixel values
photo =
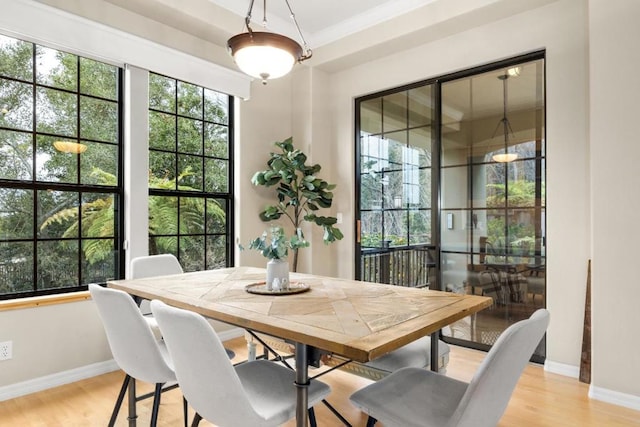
(540, 399)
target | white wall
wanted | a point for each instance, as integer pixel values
(615, 150)
(51, 339)
(560, 28)
(312, 133)
(261, 121)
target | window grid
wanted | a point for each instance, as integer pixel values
(207, 244)
(50, 268)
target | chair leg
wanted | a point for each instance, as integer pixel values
(312, 418)
(336, 413)
(185, 411)
(156, 404)
(116, 408)
(196, 420)
(371, 421)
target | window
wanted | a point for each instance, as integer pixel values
(190, 177)
(60, 163)
(395, 168)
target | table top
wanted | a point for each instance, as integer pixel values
(357, 320)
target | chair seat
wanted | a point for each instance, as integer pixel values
(417, 397)
(416, 354)
(401, 398)
(270, 390)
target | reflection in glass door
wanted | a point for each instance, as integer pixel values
(493, 196)
(395, 188)
(450, 180)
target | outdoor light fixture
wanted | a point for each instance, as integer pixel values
(70, 147)
(506, 156)
(266, 55)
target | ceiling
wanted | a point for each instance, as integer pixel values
(341, 33)
(323, 21)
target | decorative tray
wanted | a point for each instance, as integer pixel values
(261, 289)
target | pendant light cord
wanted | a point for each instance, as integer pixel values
(307, 49)
(504, 121)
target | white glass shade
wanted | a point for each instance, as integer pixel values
(261, 61)
(264, 55)
(505, 157)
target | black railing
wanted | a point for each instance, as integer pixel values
(401, 266)
(19, 277)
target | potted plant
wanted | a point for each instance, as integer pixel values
(275, 246)
(300, 194)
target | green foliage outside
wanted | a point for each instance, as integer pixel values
(74, 100)
(189, 152)
(520, 235)
(71, 233)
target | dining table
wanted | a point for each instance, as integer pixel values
(357, 320)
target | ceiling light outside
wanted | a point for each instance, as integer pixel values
(265, 55)
(70, 147)
(505, 157)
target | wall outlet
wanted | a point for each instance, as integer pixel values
(6, 350)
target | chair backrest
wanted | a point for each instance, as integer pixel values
(490, 390)
(206, 376)
(152, 266)
(132, 343)
(155, 265)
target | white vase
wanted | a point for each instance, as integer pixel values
(277, 269)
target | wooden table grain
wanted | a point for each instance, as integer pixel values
(358, 320)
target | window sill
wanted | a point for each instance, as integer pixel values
(33, 302)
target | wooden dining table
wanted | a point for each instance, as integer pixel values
(357, 320)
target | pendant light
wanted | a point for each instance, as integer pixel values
(505, 157)
(265, 55)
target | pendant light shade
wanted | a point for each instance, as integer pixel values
(504, 157)
(265, 55)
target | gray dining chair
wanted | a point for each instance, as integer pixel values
(135, 348)
(152, 266)
(421, 398)
(258, 393)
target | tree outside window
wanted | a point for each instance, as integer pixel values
(190, 170)
(60, 184)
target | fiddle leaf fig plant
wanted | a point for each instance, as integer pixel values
(300, 195)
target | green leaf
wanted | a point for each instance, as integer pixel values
(299, 192)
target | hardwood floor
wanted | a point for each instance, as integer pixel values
(540, 399)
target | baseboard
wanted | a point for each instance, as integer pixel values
(54, 380)
(562, 369)
(34, 385)
(615, 397)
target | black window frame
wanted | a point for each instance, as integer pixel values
(36, 185)
(227, 197)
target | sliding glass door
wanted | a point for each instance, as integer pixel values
(451, 180)
(493, 239)
(396, 220)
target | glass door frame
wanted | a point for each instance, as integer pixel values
(436, 170)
